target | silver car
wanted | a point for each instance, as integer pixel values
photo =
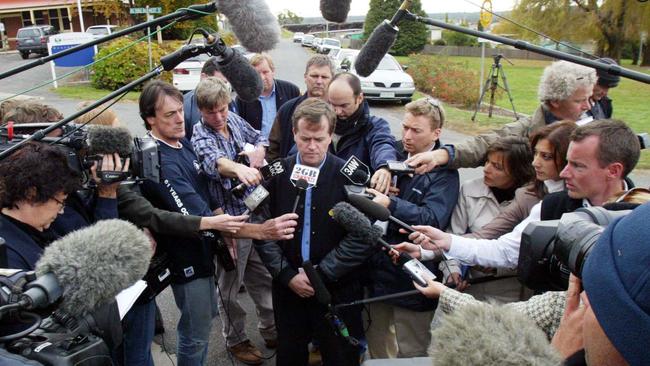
(387, 82)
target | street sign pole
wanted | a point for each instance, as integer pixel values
(149, 39)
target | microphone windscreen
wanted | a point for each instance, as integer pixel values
(353, 221)
(302, 184)
(335, 10)
(95, 263)
(242, 76)
(370, 208)
(109, 140)
(380, 41)
(252, 22)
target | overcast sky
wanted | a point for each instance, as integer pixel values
(310, 8)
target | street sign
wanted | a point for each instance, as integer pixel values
(486, 14)
(157, 10)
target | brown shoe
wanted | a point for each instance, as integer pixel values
(247, 353)
(271, 343)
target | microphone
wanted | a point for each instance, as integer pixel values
(235, 67)
(335, 10)
(377, 211)
(380, 41)
(268, 171)
(356, 171)
(302, 186)
(109, 140)
(321, 293)
(253, 23)
(91, 266)
(253, 200)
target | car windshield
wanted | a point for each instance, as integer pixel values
(331, 42)
(309, 37)
(28, 33)
(388, 63)
(98, 31)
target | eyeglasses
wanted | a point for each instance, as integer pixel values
(436, 104)
(60, 202)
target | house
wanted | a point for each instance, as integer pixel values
(61, 14)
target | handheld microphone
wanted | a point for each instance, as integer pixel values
(252, 22)
(377, 211)
(380, 41)
(302, 186)
(356, 171)
(335, 10)
(93, 265)
(268, 171)
(253, 200)
(320, 291)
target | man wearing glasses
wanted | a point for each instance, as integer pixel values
(420, 199)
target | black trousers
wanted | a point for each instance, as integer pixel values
(300, 320)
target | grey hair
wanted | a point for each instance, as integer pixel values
(562, 78)
(483, 334)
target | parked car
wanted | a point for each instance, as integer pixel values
(315, 43)
(99, 31)
(187, 74)
(387, 82)
(297, 37)
(33, 39)
(307, 40)
(341, 55)
(328, 44)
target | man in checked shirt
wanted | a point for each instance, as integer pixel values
(219, 141)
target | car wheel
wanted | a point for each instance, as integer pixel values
(24, 55)
(406, 101)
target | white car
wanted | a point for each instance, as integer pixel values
(340, 55)
(99, 31)
(307, 40)
(187, 74)
(297, 37)
(387, 82)
(328, 44)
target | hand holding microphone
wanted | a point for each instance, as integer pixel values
(430, 238)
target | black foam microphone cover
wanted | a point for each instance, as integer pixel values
(252, 22)
(94, 264)
(109, 140)
(242, 76)
(335, 10)
(370, 208)
(353, 221)
(378, 44)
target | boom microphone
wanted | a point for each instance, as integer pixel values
(335, 10)
(252, 22)
(380, 41)
(241, 75)
(377, 211)
(94, 264)
(109, 140)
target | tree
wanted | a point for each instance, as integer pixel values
(412, 35)
(609, 18)
(180, 30)
(289, 17)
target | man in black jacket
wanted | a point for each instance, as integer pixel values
(261, 113)
(319, 239)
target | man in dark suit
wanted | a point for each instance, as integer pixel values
(261, 113)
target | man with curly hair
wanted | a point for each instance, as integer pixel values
(564, 92)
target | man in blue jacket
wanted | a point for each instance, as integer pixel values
(261, 113)
(423, 199)
(357, 132)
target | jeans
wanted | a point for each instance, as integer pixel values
(197, 302)
(139, 324)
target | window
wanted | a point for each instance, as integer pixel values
(59, 18)
(38, 18)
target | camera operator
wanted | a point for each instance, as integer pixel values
(423, 199)
(602, 318)
(600, 155)
(34, 184)
(564, 92)
(219, 139)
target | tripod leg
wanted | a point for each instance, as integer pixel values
(493, 89)
(485, 88)
(505, 84)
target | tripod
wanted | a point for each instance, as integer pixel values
(492, 83)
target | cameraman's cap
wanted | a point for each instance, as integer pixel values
(605, 78)
(616, 278)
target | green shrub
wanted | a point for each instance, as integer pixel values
(124, 67)
(452, 82)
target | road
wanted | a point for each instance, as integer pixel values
(289, 60)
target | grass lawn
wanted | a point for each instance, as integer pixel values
(87, 92)
(630, 97)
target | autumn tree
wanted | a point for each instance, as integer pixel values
(180, 30)
(289, 17)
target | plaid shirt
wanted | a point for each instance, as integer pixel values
(211, 146)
